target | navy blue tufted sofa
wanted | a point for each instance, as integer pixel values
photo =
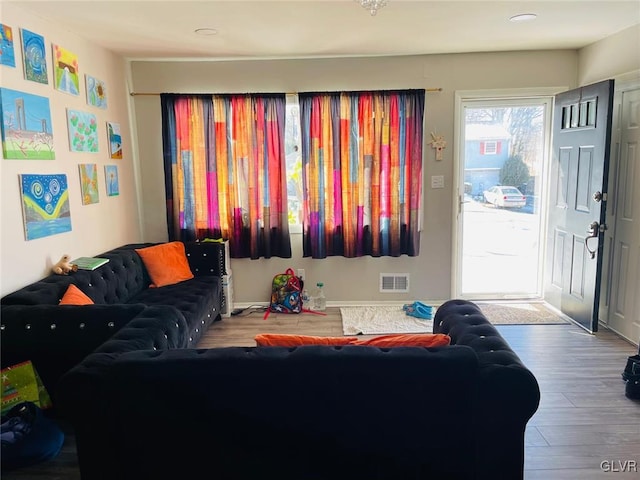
(57, 337)
(313, 412)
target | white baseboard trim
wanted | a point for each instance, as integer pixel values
(346, 303)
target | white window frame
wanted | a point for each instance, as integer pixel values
(493, 150)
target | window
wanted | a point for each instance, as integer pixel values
(490, 147)
(293, 155)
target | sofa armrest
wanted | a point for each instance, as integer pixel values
(57, 337)
(508, 393)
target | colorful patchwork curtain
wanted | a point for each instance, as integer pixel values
(225, 171)
(362, 173)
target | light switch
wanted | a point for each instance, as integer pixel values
(437, 181)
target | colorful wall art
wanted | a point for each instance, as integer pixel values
(89, 183)
(111, 180)
(26, 126)
(96, 92)
(45, 205)
(65, 71)
(83, 131)
(115, 140)
(34, 57)
(7, 52)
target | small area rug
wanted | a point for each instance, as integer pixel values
(380, 320)
(376, 320)
(520, 314)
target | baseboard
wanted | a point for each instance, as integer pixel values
(347, 303)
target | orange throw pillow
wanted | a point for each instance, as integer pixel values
(75, 296)
(399, 340)
(166, 263)
(407, 340)
(282, 340)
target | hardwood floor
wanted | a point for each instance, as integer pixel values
(584, 429)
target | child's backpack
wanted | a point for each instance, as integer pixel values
(286, 293)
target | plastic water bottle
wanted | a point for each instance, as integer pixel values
(306, 298)
(319, 300)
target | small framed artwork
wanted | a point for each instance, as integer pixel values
(96, 92)
(7, 52)
(115, 140)
(83, 131)
(26, 126)
(66, 77)
(89, 183)
(45, 205)
(111, 180)
(34, 57)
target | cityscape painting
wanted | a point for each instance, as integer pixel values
(26, 126)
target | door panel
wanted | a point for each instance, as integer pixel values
(579, 168)
(624, 309)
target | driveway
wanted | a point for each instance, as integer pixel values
(500, 250)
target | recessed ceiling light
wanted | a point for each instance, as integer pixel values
(206, 31)
(524, 17)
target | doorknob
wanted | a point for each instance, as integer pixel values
(598, 196)
(593, 230)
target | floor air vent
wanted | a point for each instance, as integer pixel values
(394, 282)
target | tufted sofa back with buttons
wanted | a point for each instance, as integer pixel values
(312, 412)
(117, 281)
(56, 337)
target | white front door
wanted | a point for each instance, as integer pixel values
(623, 286)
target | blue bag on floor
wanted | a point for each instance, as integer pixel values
(28, 437)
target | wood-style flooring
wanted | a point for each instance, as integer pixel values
(584, 429)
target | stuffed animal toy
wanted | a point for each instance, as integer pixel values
(64, 266)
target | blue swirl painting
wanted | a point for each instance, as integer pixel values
(45, 205)
(34, 57)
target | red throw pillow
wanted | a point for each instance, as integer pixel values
(407, 340)
(75, 296)
(166, 263)
(283, 340)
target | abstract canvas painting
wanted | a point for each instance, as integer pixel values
(7, 52)
(111, 180)
(45, 205)
(89, 183)
(26, 126)
(34, 57)
(115, 140)
(65, 71)
(96, 92)
(83, 131)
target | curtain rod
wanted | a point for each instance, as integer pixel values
(147, 94)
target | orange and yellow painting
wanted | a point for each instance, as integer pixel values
(89, 183)
(65, 71)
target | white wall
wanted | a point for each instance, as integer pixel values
(95, 228)
(346, 280)
(611, 57)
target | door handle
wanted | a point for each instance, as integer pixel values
(593, 231)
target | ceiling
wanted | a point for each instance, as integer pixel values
(151, 29)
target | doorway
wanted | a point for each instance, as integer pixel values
(501, 176)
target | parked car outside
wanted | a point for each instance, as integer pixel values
(503, 196)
